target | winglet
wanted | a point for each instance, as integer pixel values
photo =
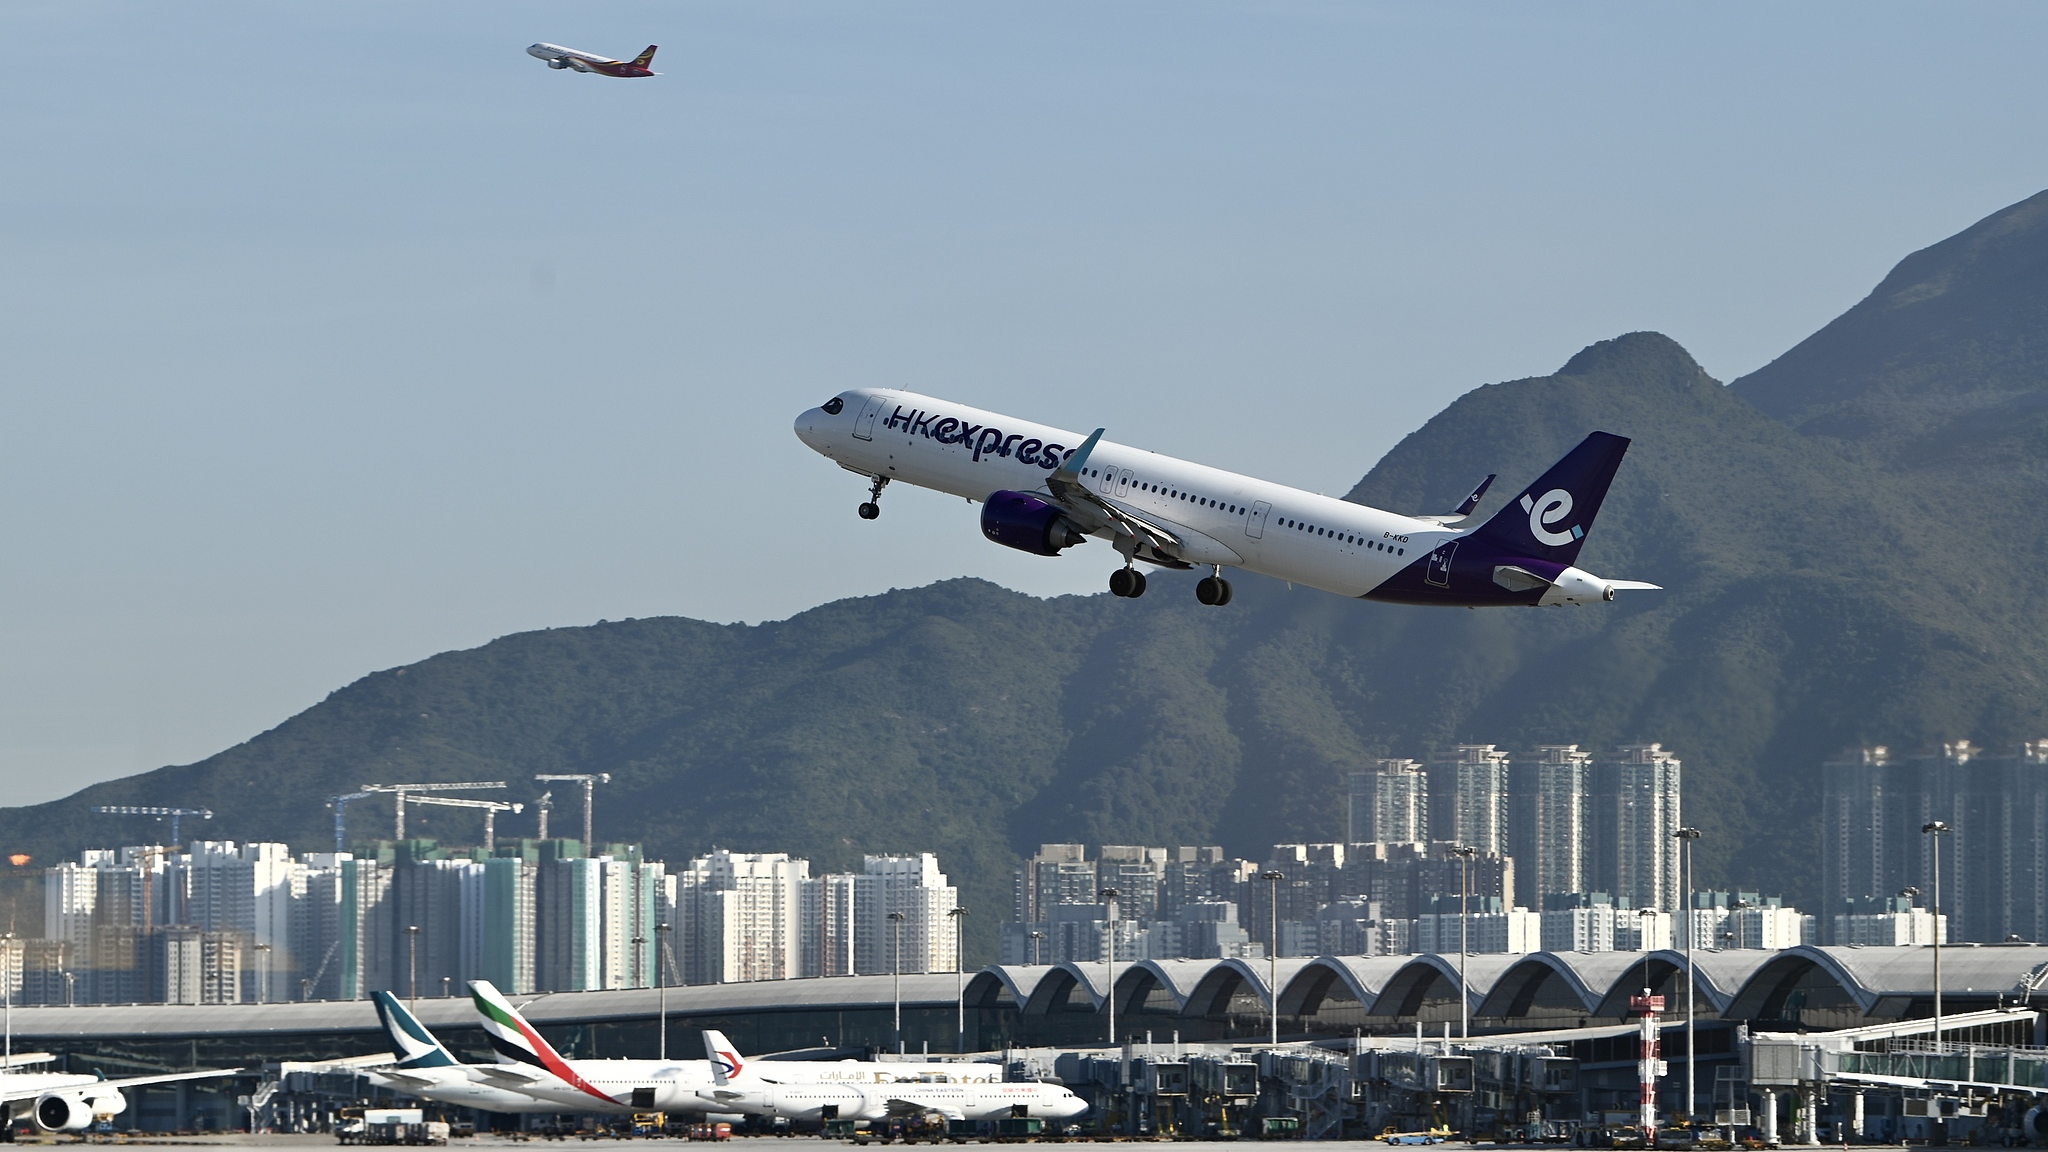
(1072, 468)
(726, 1062)
(1472, 501)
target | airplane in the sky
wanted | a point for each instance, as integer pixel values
(1045, 489)
(560, 57)
(529, 1064)
(741, 1086)
(71, 1101)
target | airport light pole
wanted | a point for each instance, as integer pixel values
(661, 984)
(896, 972)
(1936, 829)
(412, 965)
(1035, 938)
(1464, 853)
(1108, 896)
(1685, 838)
(1273, 877)
(959, 916)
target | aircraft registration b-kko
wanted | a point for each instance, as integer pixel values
(579, 61)
(1043, 490)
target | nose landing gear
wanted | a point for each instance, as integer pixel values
(1213, 590)
(1127, 582)
(873, 507)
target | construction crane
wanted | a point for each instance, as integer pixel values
(340, 806)
(590, 783)
(545, 805)
(491, 808)
(401, 791)
(175, 814)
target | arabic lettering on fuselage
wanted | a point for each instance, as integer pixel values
(985, 439)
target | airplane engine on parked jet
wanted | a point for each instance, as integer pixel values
(74, 1111)
(1022, 521)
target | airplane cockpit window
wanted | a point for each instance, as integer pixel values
(834, 406)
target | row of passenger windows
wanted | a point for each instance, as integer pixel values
(1177, 494)
(1342, 537)
(1234, 509)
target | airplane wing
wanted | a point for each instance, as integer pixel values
(403, 1079)
(513, 1076)
(1067, 488)
(10, 1097)
(901, 1107)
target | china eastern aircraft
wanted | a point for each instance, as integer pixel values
(1045, 489)
(741, 1087)
(560, 57)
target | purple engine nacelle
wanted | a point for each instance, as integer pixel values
(1022, 521)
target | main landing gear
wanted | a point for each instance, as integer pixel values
(1213, 590)
(873, 507)
(1127, 582)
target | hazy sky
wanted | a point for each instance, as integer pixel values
(338, 335)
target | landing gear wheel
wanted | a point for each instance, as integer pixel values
(873, 507)
(1213, 591)
(1127, 582)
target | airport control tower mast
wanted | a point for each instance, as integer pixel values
(1649, 1068)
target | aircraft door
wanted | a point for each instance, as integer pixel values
(1439, 570)
(1123, 482)
(864, 428)
(1255, 524)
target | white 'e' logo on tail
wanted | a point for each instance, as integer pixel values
(1555, 505)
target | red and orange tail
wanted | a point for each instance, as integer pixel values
(645, 58)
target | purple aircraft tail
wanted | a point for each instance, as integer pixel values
(1551, 517)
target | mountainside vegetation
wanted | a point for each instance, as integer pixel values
(1844, 539)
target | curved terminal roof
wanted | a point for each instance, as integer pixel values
(1815, 986)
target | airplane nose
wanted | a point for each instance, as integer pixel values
(807, 428)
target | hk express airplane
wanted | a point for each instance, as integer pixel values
(1044, 489)
(560, 57)
(744, 1087)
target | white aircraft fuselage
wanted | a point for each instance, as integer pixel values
(625, 1086)
(1044, 488)
(813, 1102)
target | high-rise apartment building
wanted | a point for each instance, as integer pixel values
(1389, 803)
(740, 916)
(1551, 834)
(923, 939)
(1994, 854)
(1635, 813)
(1468, 797)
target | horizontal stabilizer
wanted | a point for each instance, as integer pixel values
(1634, 586)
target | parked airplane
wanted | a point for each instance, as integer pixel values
(1045, 489)
(560, 57)
(70, 1101)
(528, 1064)
(425, 1068)
(743, 1087)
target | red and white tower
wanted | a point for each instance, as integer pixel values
(1649, 1067)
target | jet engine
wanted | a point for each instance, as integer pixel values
(1022, 521)
(74, 1111)
(558, 63)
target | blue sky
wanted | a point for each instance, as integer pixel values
(341, 334)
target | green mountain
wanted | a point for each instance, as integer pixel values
(1834, 570)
